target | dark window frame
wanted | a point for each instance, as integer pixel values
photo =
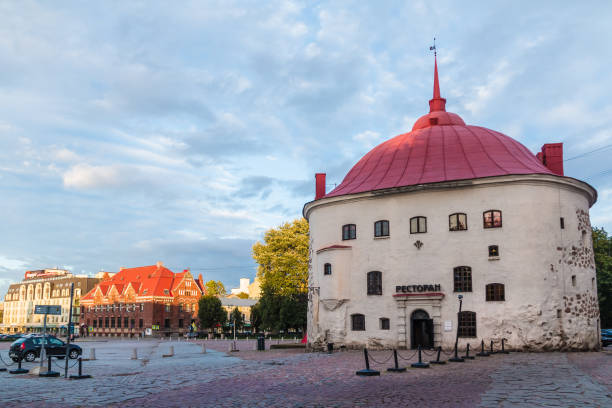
(462, 279)
(458, 226)
(349, 231)
(495, 292)
(493, 250)
(467, 324)
(491, 223)
(562, 222)
(327, 269)
(385, 323)
(381, 228)
(374, 283)
(418, 225)
(358, 322)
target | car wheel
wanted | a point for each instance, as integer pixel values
(73, 354)
(30, 356)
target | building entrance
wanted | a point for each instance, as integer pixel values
(421, 329)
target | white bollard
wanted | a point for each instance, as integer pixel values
(171, 350)
(203, 348)
(135, 354)
(92, 354)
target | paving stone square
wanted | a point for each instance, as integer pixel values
(293, 378)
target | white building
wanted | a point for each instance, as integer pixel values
(445, 210)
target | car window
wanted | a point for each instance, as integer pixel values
(37, 341)
(55, 342)
(19, 341)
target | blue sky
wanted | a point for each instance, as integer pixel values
(132, 132)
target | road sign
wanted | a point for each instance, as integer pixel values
(48, 309)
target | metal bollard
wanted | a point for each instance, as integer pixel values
(203, 348)
(437, 361)
(49, 372)
(135, 354)
(19, 370)
(503, 350)
(397, 368)
(467, 353)
(482, 353)
(456, 358)
(80, 376)
(367, 372)
(420, 364)
(92, 354)
(491, 352)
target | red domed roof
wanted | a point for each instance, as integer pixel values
(440, 147)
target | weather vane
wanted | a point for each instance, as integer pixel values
(433, 48)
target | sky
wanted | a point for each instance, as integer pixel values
(142, 131)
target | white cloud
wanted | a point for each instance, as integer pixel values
(496, 82)
(369, 138)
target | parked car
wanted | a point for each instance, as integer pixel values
(10, 337)
(606, 337)
(28, 348)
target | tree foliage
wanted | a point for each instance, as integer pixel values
(283, 258)
(237, 318)
(210, 312)
(602, 247)
(283, 271)
(242, 295)
(215, 288)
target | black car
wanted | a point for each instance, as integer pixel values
(10, 337)
(28, 348)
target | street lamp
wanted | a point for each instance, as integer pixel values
(456, 358)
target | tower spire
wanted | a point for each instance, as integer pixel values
(437, 103)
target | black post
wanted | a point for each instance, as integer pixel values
(19, 370)
(482, 353)
(80, 376)
(503, 350)
(438, 357)
(49, 372)
(467, 352)
(396, 369)
(367, 372)
(456, 358)
(69, 329)
(492, 352)
(420, 364)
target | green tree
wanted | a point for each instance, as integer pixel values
(283, 258)
(256, 317)
(242, 295)
(237, 318)
(283, 271)
(602, 247)
(215, 288)
(210, 312)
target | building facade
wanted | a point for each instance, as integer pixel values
(44, 287)
(144, 301)
(448, 211)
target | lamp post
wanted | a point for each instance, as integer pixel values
(456, 358)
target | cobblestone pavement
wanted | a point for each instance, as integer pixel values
(292, 378)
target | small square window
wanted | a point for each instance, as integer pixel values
(492, 219)
(418, 225)
(384, 323)
(349, 231)
(493, 250)
(381, 228)
(457, 222)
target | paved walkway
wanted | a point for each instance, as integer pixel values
(292, 378)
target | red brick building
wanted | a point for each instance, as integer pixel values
(149, 300)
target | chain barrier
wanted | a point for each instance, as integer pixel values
(409, 358)
(63, 366)
(8, 365)
(450, 353)
(433, 352)
(378, 362)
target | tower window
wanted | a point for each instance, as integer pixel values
(381, 228)
(384, 323)
(467, 324)
(573, 280)
(562, 222)
(357, 322)
(327, 269)
(495, 292)
(457, 222)
(374, 283)
(349, 231)
(462, 277)
(492, 219)
(418, 225)
(493, 250)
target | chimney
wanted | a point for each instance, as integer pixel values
(552, 157)
(320, 185)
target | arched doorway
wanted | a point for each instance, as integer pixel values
(421, 332)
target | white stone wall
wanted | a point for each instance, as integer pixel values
(536, 264)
